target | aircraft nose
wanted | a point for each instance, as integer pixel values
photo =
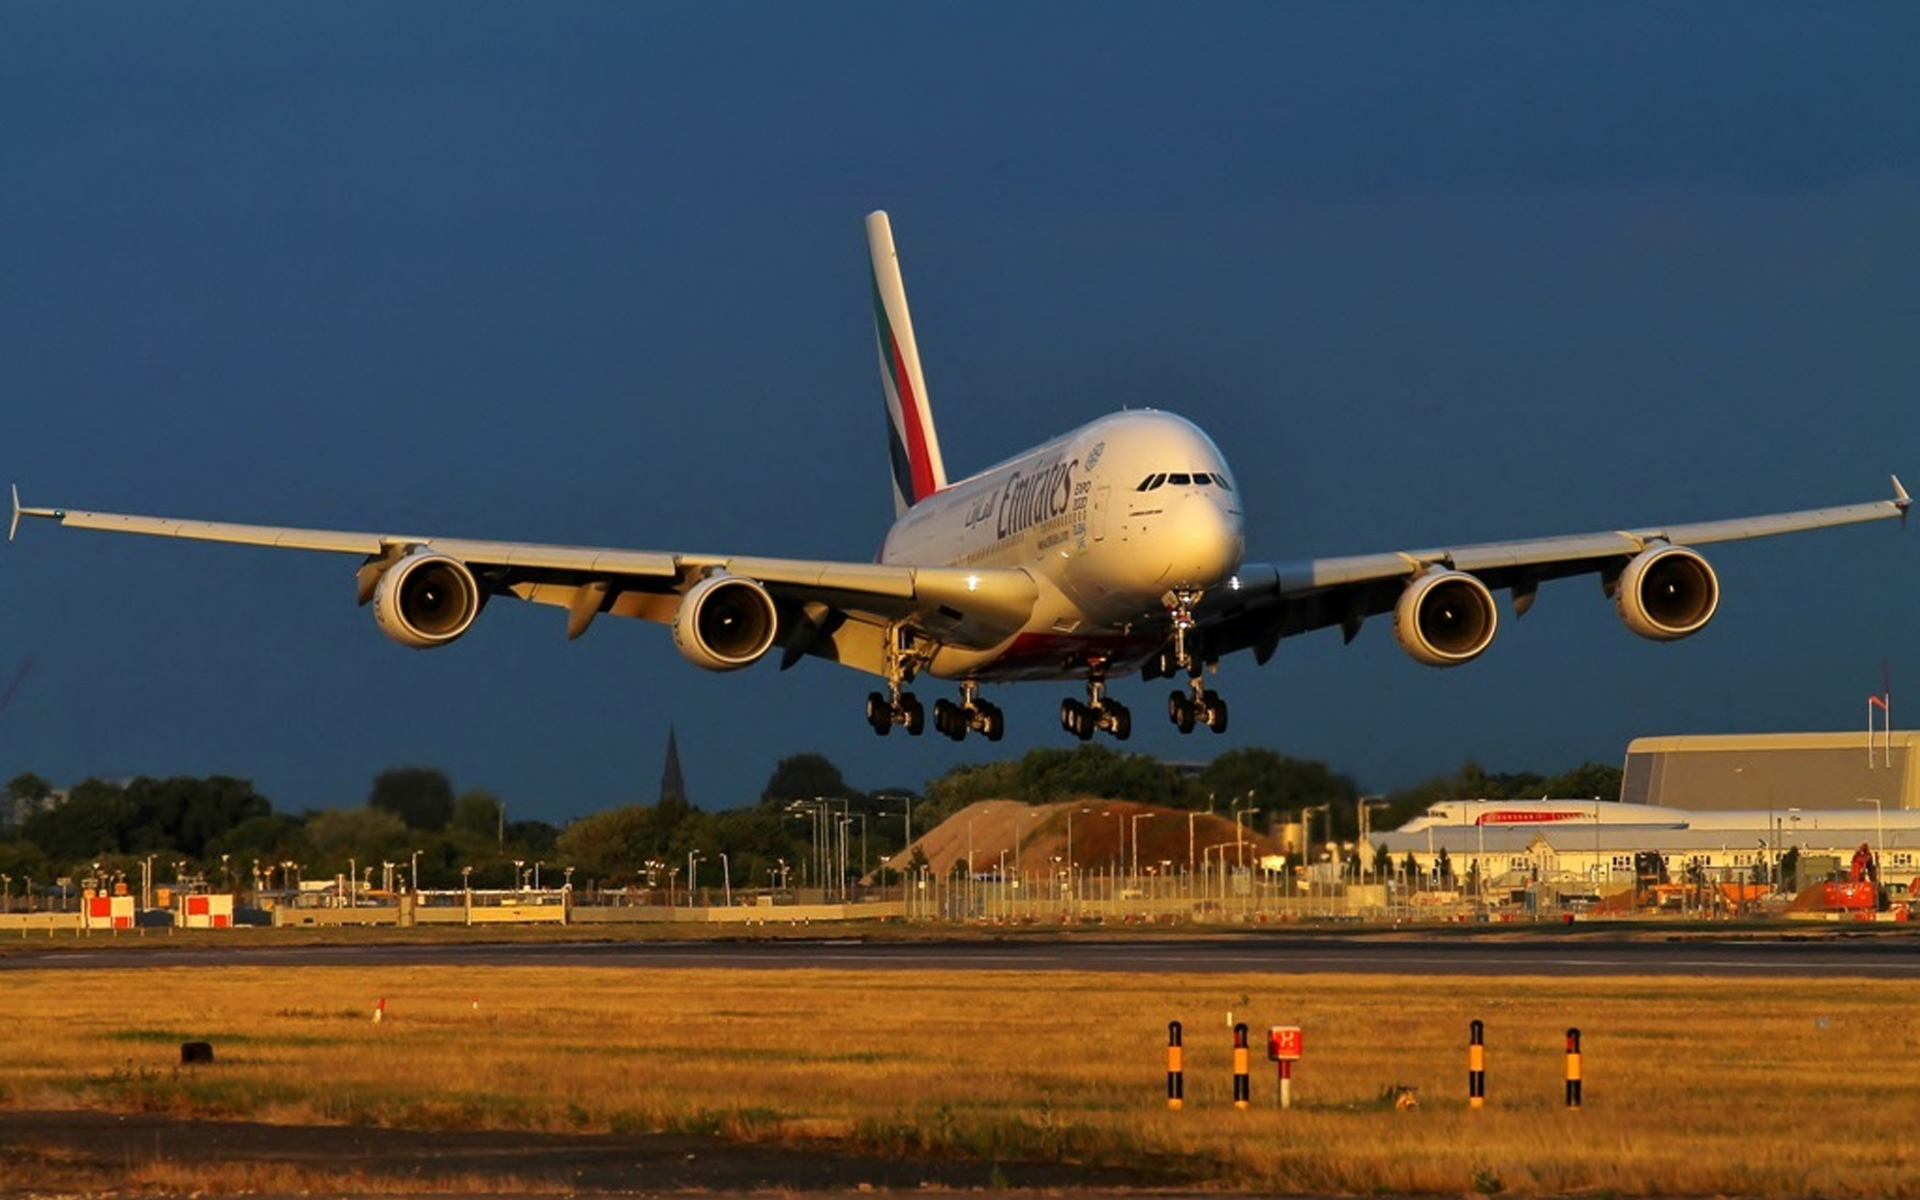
(1207, 542)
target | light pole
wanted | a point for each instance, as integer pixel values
(518, 883)
(694, 859)
(726, 878)
(1137, 818)
(415, 876)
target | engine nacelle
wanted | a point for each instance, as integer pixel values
(1445, 618)
(426, 600)
(725, 622)
(1666, 593)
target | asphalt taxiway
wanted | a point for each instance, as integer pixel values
(1598, 955)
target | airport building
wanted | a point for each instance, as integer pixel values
(1773, 772)
(1725, 809)
(1589, 847)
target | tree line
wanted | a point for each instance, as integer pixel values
(223, 830)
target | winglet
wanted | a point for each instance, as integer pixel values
(1901, 500)
(13, 527)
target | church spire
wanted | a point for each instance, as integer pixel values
(673, 785)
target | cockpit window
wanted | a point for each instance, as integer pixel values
(1151, 482)
(1202, 478)
(1179, 479)
(1220, 481)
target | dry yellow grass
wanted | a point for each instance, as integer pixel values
(1765, 1087)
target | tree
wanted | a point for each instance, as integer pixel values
(1587, 779)
(83, 827)
(28, 786)
(422, 797)
(480, 814)
(1272, 782)
(804, 776)
(366, 835)
(610, 846)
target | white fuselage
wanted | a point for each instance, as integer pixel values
(1108, 519)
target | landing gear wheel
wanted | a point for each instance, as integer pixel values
(1085, 722)
(1120, 721)
(914, 716)
(1180, 711)
(949, 718)
(879, 714)
(1077, 719)
(1216, 712)
(993, 723)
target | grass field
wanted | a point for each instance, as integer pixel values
(1766, 1087)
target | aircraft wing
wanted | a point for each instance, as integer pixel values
(835, 610)
(1274, 600)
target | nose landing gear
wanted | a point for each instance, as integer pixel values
(1198, 704)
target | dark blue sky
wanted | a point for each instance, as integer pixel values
(595, 273)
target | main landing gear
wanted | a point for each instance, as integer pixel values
(1203, 707)
(970, 715)
(897, 706)
(1098, 713)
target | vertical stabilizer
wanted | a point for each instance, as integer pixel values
(915, 449)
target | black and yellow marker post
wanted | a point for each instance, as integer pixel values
(1573, 1068)
(1477, 1065)
(1242, 1078)
(1176, 1075)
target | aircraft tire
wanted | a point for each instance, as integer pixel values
(1216, 712)
(993, 722)
(916, 716)
(1180, 709)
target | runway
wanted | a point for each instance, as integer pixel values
(1773, 954)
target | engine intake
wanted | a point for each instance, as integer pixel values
(1667, 593)
(1445, 618)
(426, 600)
(725, 622)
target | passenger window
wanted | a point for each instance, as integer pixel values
(1179, 480)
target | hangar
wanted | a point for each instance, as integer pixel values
(1773, 772)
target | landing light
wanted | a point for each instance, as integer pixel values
(973, 583)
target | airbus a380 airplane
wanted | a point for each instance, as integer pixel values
(1112, 549)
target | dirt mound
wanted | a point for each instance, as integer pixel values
(1034, 838)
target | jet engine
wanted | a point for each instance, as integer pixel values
(426, 600)
(1445, 618)
(1666, 593)
(725, 622)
